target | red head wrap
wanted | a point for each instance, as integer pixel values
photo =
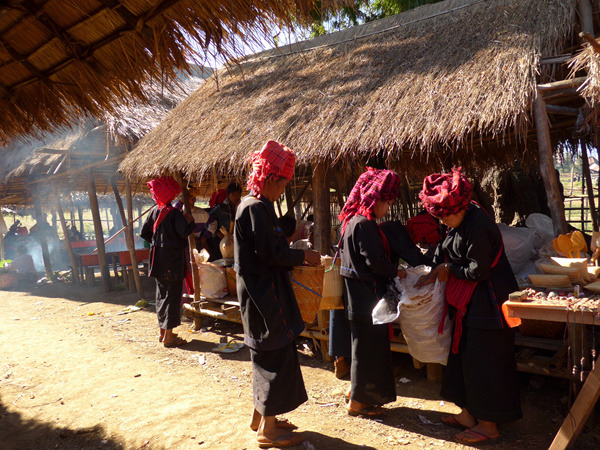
(424, 227)
(446, 193)
(164, 190)
(217, 198)
(274, 159)
(371, 186)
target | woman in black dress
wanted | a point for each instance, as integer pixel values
(270, 313)
(481, 375)
(366, 268)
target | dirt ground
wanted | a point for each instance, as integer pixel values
(74, 374)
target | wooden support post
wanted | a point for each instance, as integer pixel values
(583, 406)
(191, 244)
(289, 201)
(42, 234)
(585, 167)
(98, 231)
(128, 236)
(129, 222)
(67, 240)
(3, 230)
(322, 216)
(547, 170)
(80, 215)
(586, 16)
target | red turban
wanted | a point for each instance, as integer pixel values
(217, 198)
(446, 193)
(371, 186)
(274, 159)
(164, 190)
(424, 227)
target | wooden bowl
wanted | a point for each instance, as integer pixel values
(550, 281)
(580, 263)
(552, 269)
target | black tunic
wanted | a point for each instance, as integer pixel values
(482, 376)
(367, 269)
(168, 262)
(270, 314)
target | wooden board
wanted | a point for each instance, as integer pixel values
(553, 313)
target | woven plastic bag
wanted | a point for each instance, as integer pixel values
(213, 283)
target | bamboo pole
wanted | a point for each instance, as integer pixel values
(590, 186)
(586, 16)
(65, 228)
(98, 231)
(191, 242)
(321, 199)
(42, 234)
(547, 170)
(80, 215)
(130, 222)
(128, 238)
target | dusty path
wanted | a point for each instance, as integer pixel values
(74, 374)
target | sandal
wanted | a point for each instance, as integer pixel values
(469, 437)
(175, 343)
(451, 421)
(367, 411)
(286, 424)
(287, 440)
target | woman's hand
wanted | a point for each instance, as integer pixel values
(441, 272)
(312, 257)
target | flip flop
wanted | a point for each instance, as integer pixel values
(176, 343)
(281, 423)
(367, 411)
(451, 421)
(478, 438)
(287, 440)
(229, 347)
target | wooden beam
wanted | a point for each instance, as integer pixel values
(586, 16)
(579, 413)
(128, 238)
(555, 109)
(593, 42)
(67, 239)
(585, 168)
(563, 84)
(322, 213)
(42, 234)
(547, 170)
(98, 231)
(130, 222)
(187, 207)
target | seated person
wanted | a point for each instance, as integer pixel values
(221, 217)
(23, 264)
(308, 243)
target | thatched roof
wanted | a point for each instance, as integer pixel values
(588, 60)
(28, 168)
(403, 87)
(62, 59)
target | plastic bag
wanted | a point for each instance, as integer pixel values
(420, 322)
(542, 225)
(387, 309)
(518, 244)
(226, 246)
(213, 283)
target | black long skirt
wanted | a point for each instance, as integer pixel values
(482, 376)
(371, 373)
(278, 384)
(340, 337)
(168, 303)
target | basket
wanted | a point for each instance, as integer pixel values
(307, 283)
(8, 280)
(333, 285)
(231, 281)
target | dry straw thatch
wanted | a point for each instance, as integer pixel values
(405, 88)
(28, 168)
(60, 59)
(588, 60)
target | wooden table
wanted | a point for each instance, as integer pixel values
(590, 392)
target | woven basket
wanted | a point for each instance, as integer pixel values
(307, 283)
(333, 285)
(8, 280)
(231, 281)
